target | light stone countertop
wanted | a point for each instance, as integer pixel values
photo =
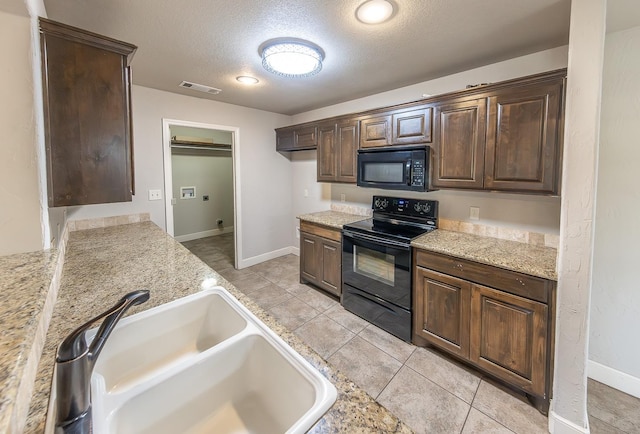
(529, 259)
(26, 279)
(332, 219)
(103, 264)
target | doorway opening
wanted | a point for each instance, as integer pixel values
(201, 182)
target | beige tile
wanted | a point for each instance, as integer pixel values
(423, 405)
(250, 283)
(478, 422)
(269, 295)
(537, 239)
(232, 274)
(324, 335)
(288, 278)
(552, 240)
(292, 313)
(346, 319)
(317, 299)
(509, 409)
(445, 373)
(616, 408)
(366, 365)
(396, 348)
(297, 288)
(596, 426)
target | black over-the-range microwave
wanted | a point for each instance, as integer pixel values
(394, 169)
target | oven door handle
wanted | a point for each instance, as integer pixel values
(371, 239)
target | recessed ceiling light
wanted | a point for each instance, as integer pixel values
(245, 79)
(291, 57)
(374, 11)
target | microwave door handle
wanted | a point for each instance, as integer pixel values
(407, 171)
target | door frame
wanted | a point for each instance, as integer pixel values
(168, 177)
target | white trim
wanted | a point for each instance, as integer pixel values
(168, 182)
(295, 251)
(614, 378)
(265, 257)
(203, 234)
(560, 425)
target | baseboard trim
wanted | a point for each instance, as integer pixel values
(243, 263)
(613, 378)
(203, 234)
(560, 425)
(295, 251)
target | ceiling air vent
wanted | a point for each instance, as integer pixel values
(200, 87)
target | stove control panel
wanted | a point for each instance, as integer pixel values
(406, 207)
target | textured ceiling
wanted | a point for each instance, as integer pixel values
(212, 41)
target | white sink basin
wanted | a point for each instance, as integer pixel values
(203, 364)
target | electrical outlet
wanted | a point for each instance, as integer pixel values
(474, 213)
(306, 193)
(155, 194)
(219, 221)
(205, 197)
(343, 197)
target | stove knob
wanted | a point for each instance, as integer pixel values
(426, 207)
(385, 203)
(377, 203)
(416, 206)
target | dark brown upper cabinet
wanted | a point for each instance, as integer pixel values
(523, 138)
(412, 126)
(400, 127)
(503, 136)
(87, 111)
(458, 154)
(337, 151)
(507, 137)
(375, 131)
(297, 138)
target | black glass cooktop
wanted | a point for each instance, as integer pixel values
(399, 230)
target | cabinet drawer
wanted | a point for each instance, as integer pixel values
(530, 287)
(321, 231)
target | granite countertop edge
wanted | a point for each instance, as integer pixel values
(538, 261)
(93, 277)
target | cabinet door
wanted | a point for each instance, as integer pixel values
(348, 135)
(412, 126)
(306, 138)
(442, 310)
(87, 116)
(375, 131)
(327, 152)
(524, 137)
(331, 266)
(509, 337)
(458, 145)
(285, 140)
(310, 257)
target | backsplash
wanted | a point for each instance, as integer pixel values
(351, 209)
(504, 233)
(103, 222)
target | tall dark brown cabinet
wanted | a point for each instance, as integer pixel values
(87, 111)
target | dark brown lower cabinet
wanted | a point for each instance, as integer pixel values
(496, 320)
(321, 257)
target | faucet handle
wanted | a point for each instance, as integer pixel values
(74, 345)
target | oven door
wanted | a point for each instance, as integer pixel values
(377, 266)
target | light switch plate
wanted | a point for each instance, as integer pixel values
(474, 213)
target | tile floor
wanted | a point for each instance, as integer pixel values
(429, 391)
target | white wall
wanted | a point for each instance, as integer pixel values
(21, 229)
(568, 413)
(615, 298)
(211, 172)
(265, 188)
(535, 213)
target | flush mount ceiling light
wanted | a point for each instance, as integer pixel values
(245, 79)
(374, 11)
(291, 57)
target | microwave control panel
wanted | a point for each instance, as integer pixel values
(417, 173)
